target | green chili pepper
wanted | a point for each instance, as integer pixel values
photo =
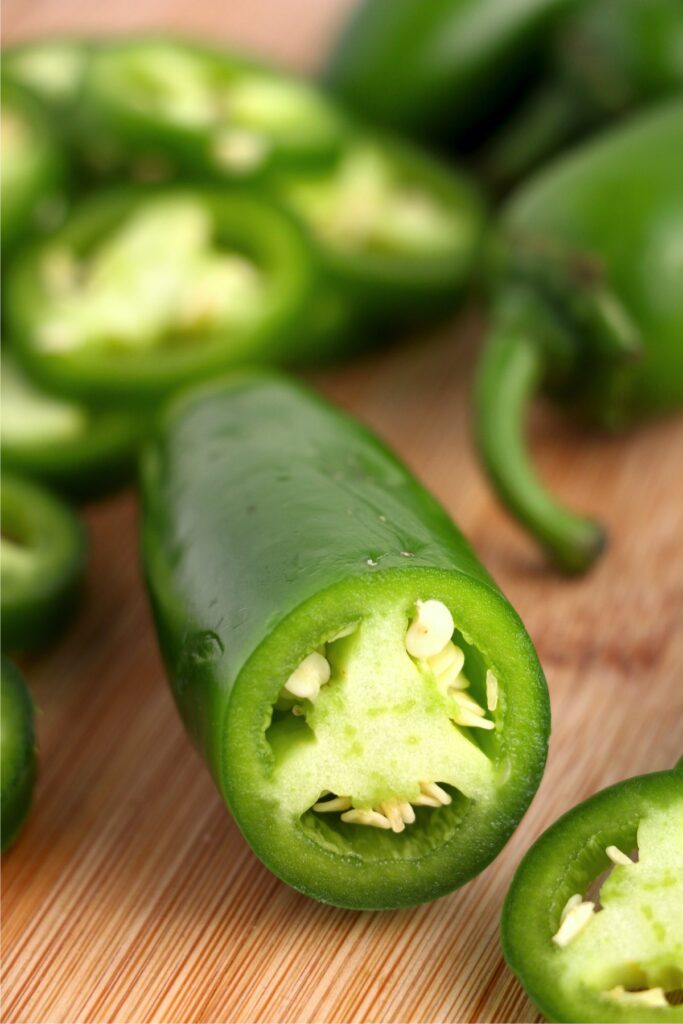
(52, 69)
(588, 949)
(371, 707)
(43, 557)
(17, 752)
(608, 58)
(441, 69)
(68, 446)
(397, 231)
(203, 110)
(142, 291)
(32, 168)
(591, 278)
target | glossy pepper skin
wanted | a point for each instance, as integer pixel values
(17, 752)
(67, 446)
(587, 303)
(607, 59)
(440, 70)
(43, 559)
(634, 943)
(244, 226)
(273, 524)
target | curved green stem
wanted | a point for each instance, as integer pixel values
(509, 376)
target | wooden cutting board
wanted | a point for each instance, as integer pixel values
(131, 895)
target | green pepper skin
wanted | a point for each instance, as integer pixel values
(33, 185)
(268, 518)
(587, 303)
(440, 70)
(243, 219)
(90, 463)
(17, 752)
(564, 861)
(43, 560)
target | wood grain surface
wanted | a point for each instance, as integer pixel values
(131, 895)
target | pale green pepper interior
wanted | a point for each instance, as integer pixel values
(366, 203)
(634, 940)
(378, 729)
(158, 278)
(28, 415)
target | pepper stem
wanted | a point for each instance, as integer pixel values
(509, 376)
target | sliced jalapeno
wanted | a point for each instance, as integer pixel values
(43, 557)
(204, 110)
(51, 69)
(17, 752)
(66, 445)
(142, 291)
(592, 948)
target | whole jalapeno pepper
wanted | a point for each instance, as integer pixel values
(68, 446)
(441, 70)
(369, 704)
(202, 110)
(397, 231)
(17, 752)
(144, 290)
(590, 948)
(43, 550)
(589, 303)
(33, 173)
(607, 59)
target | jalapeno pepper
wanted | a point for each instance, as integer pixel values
(68, 446)
(397, 231)
(43, 557)
(589, 303)
(371, 707)
(142, 291)
(32, 168)
(52, 69)
(607, 59)
(17, 752)
(203, 110)
(588, 948)
(441, 70)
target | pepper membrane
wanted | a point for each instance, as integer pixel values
(370, 706)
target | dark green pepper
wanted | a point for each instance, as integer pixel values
(587, 948)
(17, 752)
(369, 704)
(144, 290)
(43, 550)
(397, 231)
(608, 58)
(68, 446)
(33, 171)
(202, 110)
(590, 304)
(441, 70)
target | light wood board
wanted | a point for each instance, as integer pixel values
(131, 895)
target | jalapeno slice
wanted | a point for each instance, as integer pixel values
(370, 706)
(43, 557)
(32, 169)
(142, 291)
(52, 69)
(66, 445)
(17, 752)
(592, 948)
(205, 110)
(398, 231)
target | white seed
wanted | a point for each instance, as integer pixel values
(426, 801)
(617, 856)
(240, 151)
(430, 630)
(346, 631)
(338, 803)
(472, 721)
(366, 816)
(491, 691)
(645, 997)
(572, 902)
(435, 792)
(575, 920)
(407, 812)
(447, 666)
(468, 703)
(391, 810)
(306, 680)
